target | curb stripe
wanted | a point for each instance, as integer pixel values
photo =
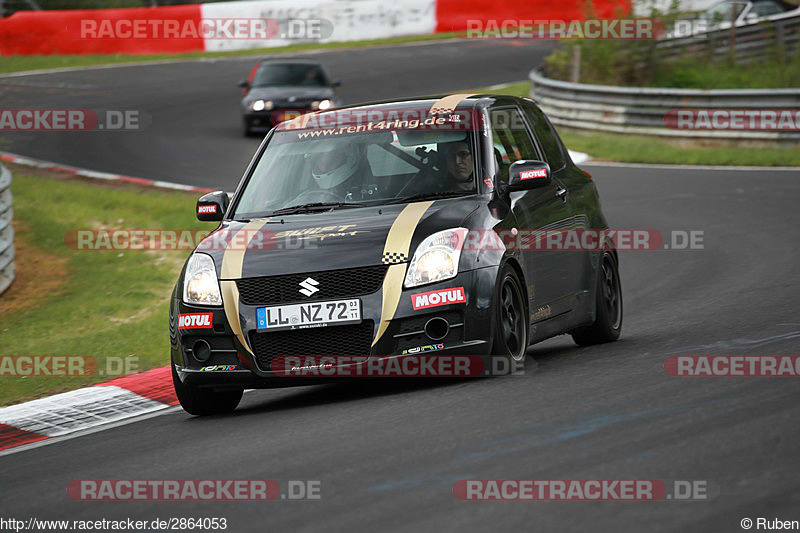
(87, 408)
(93, 174)
(76, 410)
(153, 384)
(11, 437)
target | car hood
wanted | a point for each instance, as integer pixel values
(286, 92)
(344, 238)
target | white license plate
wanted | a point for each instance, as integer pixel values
(308, 315)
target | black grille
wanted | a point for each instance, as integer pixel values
(332, 284)
(331, 340)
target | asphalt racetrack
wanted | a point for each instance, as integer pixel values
(388, 453)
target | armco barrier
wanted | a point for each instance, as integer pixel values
(58, 32)
(643, 110)
(7, 270)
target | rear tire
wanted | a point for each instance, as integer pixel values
(204, 402)
(608, 306)
(510, 340)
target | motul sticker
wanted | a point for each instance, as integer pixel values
(195, 321)
(533, 174)
(210, 209)
(424, 300)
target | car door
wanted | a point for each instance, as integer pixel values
(577, 198)
(549, 283)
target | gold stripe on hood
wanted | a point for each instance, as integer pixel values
(233, 258)
(231, 269)
(398, 242)
(448, 104)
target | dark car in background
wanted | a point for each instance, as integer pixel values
(280, 89)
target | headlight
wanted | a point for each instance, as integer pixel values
(200, 285)
(321, 104)
(260, 105)
(436, 258)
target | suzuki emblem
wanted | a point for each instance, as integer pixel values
(309, 286)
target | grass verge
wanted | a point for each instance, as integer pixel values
(103, 304)
(624, 148)
(44, 62)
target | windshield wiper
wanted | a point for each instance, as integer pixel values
(428, 195)
(316, 206)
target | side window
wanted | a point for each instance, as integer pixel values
(510, 139)
(547, 137)
(765, 9)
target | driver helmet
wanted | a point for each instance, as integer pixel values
(334, 166)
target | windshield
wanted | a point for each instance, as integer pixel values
(286, 74)
(723, 12)
(337, 169)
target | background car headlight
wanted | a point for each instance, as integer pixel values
(260, 105)
(436, 258)
(200, 285)
(321, 104)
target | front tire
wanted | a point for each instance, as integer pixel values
(608, 306)
(510, 341)
(204, 402)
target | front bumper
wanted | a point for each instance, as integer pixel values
(267, 119)
(470, 333)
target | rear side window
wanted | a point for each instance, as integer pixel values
(765, 9)
(548, 138)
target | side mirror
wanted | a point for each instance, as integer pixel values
(244, 84)
(212, 206)
(336, 83)
(526, 174)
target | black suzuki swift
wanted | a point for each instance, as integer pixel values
(388, 230)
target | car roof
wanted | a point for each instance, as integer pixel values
(289, 61)
(439, 101)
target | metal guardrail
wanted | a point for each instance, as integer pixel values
(7, 269)
(643, 110)
(752, 41)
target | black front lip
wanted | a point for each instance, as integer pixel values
(242, 378)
